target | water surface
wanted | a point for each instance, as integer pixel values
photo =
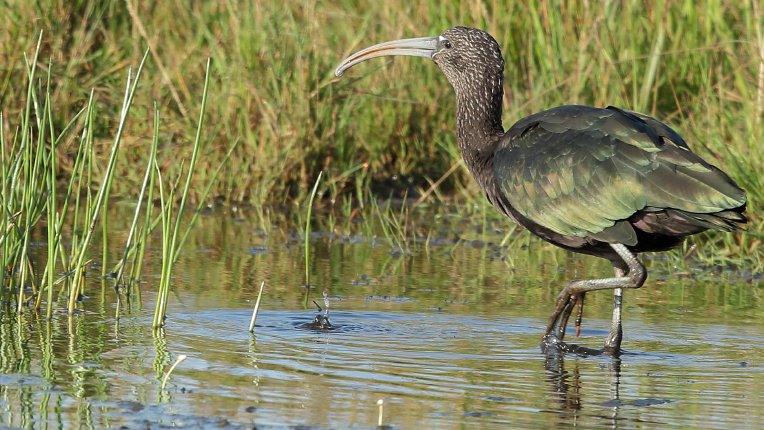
(446, 334)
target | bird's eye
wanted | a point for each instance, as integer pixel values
(447, 44)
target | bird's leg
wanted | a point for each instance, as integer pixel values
(613, 340)
(559, 319)
(563, 323)
(577, 299)
(634, 278)
(580, 315)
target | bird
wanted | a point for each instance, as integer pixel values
(606, 182)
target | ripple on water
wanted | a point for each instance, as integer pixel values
(492, 363)
(448, 337)
(438, 368)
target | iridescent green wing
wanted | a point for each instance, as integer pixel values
(584, 171)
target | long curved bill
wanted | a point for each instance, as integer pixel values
(417, 47)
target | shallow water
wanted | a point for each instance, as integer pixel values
(447, 335)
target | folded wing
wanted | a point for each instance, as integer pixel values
(586, 172)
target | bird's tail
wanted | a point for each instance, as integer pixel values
(726, 220)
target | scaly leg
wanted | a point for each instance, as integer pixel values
(634, 278)
(563, 323)
(579, 300)
(580, 315)
(613, 340)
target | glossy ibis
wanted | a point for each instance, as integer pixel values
(601, 181)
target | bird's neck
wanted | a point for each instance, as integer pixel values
(479, 128)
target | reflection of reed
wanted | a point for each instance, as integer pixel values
(47, 361)
(52, 366)
(160, 359)
(46, 346)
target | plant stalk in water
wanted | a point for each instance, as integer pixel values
(169, 372)
(307, 229)
(147, 179)
(257, 307)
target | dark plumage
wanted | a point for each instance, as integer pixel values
(588, 175)
(601, 181)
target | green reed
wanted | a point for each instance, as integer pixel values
(29, 193)
(28, 164)
(171, 239)
(91, 215)
(54, 233)
(37, 193)
(148, 225)
(667, 58)
(148, 181)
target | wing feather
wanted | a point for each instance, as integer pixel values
(584, 171)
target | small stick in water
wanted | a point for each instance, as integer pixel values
(174, 365)
(380, 403)
(257, 306)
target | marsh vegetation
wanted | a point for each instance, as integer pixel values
(160, 162)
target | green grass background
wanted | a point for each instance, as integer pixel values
(387, 126)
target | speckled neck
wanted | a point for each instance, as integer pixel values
(478, 115)
(478, 125)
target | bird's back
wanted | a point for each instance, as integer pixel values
(593, 176)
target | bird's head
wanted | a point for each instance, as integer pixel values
(470, 58)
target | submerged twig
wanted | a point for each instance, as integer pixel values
(381, 404)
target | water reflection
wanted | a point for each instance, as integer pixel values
(564, 385)
(447, 335)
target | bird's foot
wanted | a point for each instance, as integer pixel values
(559, 319)
(551, 344)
